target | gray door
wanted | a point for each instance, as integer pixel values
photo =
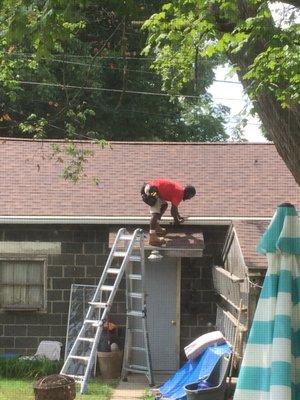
(163, 302)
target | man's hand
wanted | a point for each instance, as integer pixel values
(175, 214)
(178, 221)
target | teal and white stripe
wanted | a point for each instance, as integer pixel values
(283, 233)
(271, 366)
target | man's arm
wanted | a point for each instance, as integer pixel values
(175, 214)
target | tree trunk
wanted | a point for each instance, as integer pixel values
(282, 125)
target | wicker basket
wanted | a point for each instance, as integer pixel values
(55, 387)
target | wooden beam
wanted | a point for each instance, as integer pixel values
(229, 275)
(242, 327)
(231, 303)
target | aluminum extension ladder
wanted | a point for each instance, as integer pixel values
(82, 356)
(137, 357)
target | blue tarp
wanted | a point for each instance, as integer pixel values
(192, 371)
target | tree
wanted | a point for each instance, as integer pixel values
(59, 58)
(265, 56)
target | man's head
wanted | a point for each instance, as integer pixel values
(189, 192)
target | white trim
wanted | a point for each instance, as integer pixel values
(178, 308)
(240, 248)
(9, 247)
(107, 220)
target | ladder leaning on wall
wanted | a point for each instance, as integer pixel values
(82, 356)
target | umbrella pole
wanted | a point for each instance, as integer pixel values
(234, 346)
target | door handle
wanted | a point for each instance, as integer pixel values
(173, 322)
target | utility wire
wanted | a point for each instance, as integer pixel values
(90, 56)
(90, 88)
(121, 69)
(79, 135)
(131, 110)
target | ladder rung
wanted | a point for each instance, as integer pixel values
(80, 358)
(136, 371)
(113, 270)
(138, 367)
(107, 288)
(138, 348)
(135, 258)
(98, 304)
(136, 330)
(76, 377)
(126, 237)
(123, 254)
(135, 295)
(135, 314)
(120, 253)
(135, 276)
(94, 322)
(85, 339)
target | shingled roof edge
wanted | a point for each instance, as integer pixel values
(11, 139)
(107, 220)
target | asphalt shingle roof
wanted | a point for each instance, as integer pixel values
(241, 180)
(249, 234)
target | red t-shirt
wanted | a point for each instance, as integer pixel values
(169, 190)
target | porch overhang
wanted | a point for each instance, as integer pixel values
(181, 241)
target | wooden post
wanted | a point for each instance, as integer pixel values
(237, 331)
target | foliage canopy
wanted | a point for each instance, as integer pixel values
(264, 53)
(74, 70)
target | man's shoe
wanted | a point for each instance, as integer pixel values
(160, 231)
(154, 240)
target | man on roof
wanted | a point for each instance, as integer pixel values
(156, 193)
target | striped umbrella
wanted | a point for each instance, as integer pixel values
(271, 366)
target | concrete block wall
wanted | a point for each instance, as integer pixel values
(84, 251)
(83, 256)
(198, 309)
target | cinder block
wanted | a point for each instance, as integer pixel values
(27, 342)
(81, 259)
(15, 330)
(72, 248)
(74, 271)
(38, 330)
(61, 259)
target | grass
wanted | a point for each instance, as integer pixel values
(15, 389)
(147, 395)
(28, 369)
(17, 378)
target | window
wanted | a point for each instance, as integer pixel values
(23, 283)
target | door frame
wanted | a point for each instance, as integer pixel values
(178, 301)
(177, 316)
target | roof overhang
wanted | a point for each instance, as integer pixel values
(119, 220)
(179, 242)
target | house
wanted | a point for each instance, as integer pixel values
(55, 233)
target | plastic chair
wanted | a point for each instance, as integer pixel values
(47, 349)
(216, 379)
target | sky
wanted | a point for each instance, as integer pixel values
(233, 96)
(232, 93)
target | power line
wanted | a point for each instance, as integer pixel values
(90, 88)
(131, 110)
(90, 56)
(121, 69)
(80, 135)
(88, 65)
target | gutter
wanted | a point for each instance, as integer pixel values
(120, 220)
